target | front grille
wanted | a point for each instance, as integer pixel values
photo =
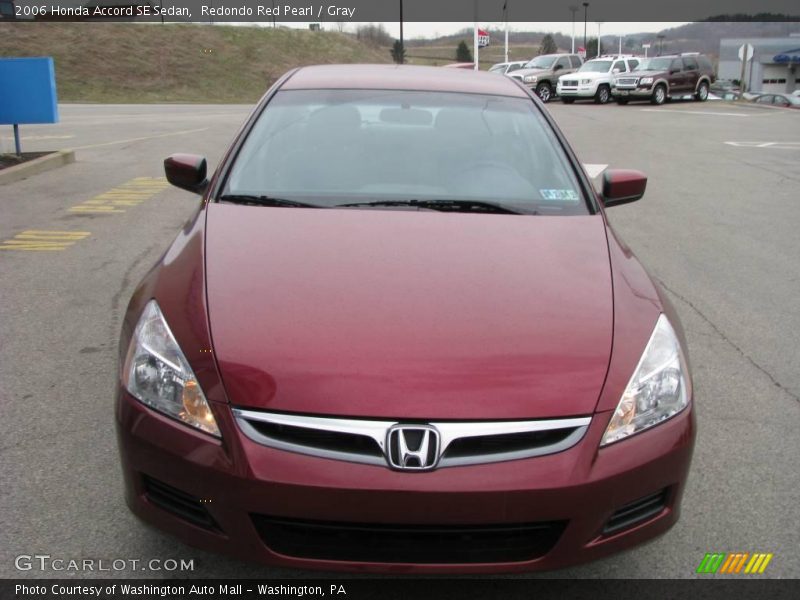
(487, 445)
(636, 512)
(445, 544)
(367, 441)
(569, 84)
(180, 504)
(627, 81)
(334, 441)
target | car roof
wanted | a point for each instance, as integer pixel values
(401, 77)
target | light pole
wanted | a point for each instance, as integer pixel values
(402, 45)
(660, 37)
(585, 17)
(505, 18)
(573, 10)
(599, 23)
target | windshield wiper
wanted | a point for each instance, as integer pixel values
(445, 205)
(265, 201)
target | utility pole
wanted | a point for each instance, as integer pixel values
(573, 10)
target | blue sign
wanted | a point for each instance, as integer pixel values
(790, 56)
(28, 91)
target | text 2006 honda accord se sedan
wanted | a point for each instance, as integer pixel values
(399, 334)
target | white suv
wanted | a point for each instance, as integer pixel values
(594, 78)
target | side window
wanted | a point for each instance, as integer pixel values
(563, 63)
(633, 63)
(780, 101)
(620, 64)
(689, 63)
(704, 63)
(764, 100)
(576, 61)
(513, 68)
(676, 65)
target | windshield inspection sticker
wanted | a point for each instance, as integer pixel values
(559, 195)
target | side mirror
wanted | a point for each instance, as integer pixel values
(187, 171)
(556, 68)
(621, 186)
(615, 71)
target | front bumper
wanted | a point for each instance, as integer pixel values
(241, 484)
(583, 91)
(637, 92)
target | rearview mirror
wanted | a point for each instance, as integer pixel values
(621, 186)
(186, 171)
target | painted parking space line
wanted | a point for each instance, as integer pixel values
(593, 170)
(122, 197)
(771, 145)
(43, 240)
(703, 112)
(139, 139)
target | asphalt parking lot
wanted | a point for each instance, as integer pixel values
(718, 228)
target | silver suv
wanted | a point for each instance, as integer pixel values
(595, 78)
(541, 73)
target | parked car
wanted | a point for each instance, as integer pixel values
(541, 73)
(778, 100)
(507, 67)
(661, 78)
(594, 78)
(350, 361)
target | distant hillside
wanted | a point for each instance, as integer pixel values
(693, 37)
(176, 62)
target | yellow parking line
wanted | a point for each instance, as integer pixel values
(130, 193)
(43, 240)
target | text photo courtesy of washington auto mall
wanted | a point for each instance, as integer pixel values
(399, 298)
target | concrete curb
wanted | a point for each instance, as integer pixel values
(36, 166)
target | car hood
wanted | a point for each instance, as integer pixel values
(641, 74)
(584, 75)
(524, 72)
(409, 314)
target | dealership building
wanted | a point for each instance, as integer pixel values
(775, 66)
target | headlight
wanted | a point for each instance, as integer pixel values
(646, 80)
(157, 373)
(586, 81)
(657, 390)
(530, 78)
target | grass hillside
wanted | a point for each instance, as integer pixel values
(121, 62)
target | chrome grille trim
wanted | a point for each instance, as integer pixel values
(377, 430)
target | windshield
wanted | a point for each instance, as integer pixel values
(331, 147)
(498, 69)
(653, 64)
(541, 62)
(596, 66)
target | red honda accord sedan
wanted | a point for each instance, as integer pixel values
(399, 335)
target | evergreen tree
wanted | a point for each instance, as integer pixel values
(463, 53)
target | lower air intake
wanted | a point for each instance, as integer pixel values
(445, 544)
